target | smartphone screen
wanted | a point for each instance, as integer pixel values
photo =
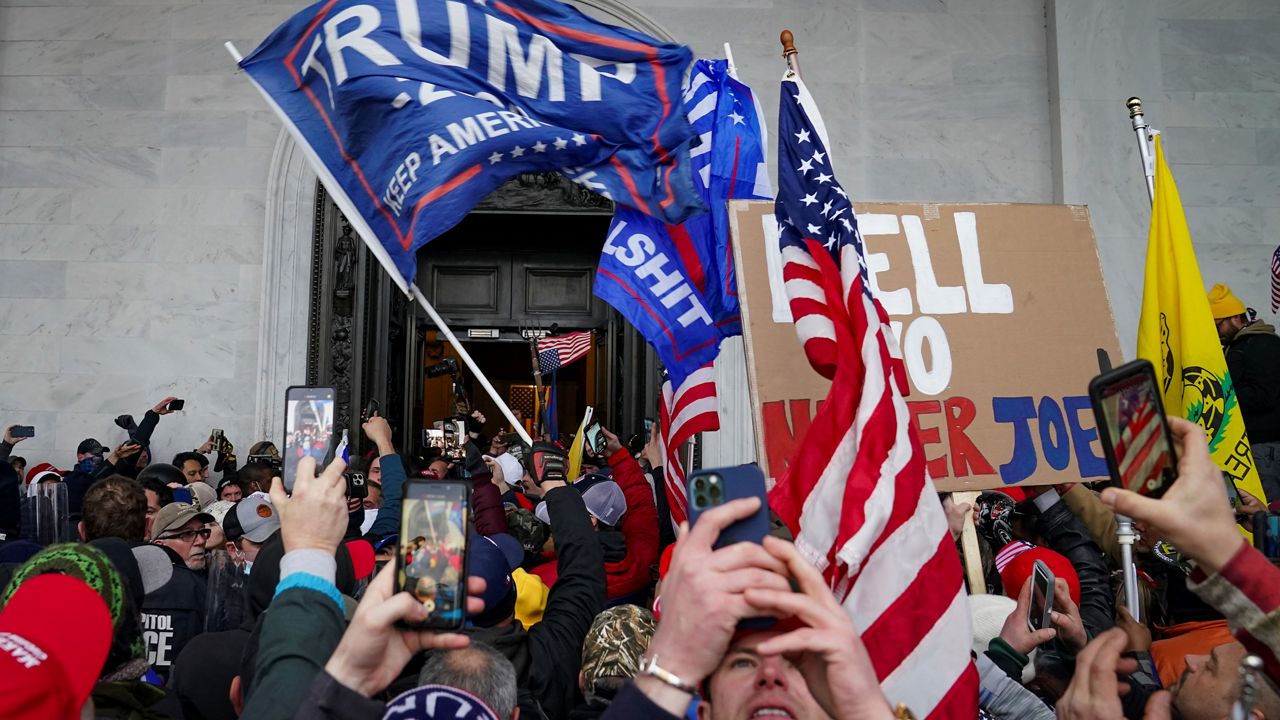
(1038, 615)
(648, 430)
(431, 561)
(1135, 434)
(308, 427)
(594, 438)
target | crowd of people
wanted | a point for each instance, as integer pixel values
(137, 588)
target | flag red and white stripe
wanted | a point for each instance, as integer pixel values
(856, 493)
(554, 352)
(1275, 281)
(1140, 449)
(686, 411)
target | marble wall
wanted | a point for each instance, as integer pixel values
(1208, 72)
(136, 167)
(133, 165)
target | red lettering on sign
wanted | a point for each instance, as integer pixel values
(937, 467)
(966, 459)
(780, 435)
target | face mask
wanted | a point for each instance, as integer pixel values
(90, 464)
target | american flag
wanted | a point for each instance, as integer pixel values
(856, 493)
(1140, 450)
(1275, 281)
(687, 410)
(560, 350)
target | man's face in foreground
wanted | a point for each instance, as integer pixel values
(748, 685)
(1208, 685)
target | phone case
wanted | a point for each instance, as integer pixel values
(1097, 390)
(408, 533)
(1046, 620)
(742, 481)
(288, 463)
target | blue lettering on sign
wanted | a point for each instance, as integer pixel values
(1091, 464)
(1059, 433)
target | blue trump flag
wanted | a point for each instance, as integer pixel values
(675, 283)
(412, 111)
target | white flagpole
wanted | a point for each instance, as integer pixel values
(371, 241)
(1143, 131)
(1125, 535)
(728, 55)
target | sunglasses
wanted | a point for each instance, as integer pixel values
(189, 536)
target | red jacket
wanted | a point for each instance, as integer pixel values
(639, 528)
(1247, 591)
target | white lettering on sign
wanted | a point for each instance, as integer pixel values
(535, 63)
(931, 379)
(925, 349)
(773, 263)
(983, 298)
(896, 302)
(157, 633)
(934, 299)
(669, 285)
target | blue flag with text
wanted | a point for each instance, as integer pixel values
(675, 282)
(413, 110)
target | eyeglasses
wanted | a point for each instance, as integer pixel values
(188, 536)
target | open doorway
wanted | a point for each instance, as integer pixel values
(509, 367)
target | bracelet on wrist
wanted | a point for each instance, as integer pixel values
(649, 666)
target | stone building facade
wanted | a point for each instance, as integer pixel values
(153, 220)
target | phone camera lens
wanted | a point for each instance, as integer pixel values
(715, 492)
(700, 484)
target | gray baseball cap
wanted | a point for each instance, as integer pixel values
(603, 497)
(253, 518)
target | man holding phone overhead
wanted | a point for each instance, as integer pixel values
(811, 665)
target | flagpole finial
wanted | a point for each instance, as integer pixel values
(789, 52)
(1135, 106)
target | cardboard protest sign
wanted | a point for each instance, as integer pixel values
(999, 310)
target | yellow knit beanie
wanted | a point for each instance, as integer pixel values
(1223, 304)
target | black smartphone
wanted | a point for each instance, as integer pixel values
(708, 489)
(176, 405)
(594, 439)
(431, 563)
(217, 437)
(1134, 431)
(308, 428)
(648, 430)
(23, 431)
(356, 486)
(371, 408)
(1040, 612)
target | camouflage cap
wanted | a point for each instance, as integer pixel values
(614, 645)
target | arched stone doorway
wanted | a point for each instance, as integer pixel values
(316, 319)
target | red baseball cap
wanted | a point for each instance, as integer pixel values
(363, 561)
(1016, 561)
(37, 472)
(47, 668)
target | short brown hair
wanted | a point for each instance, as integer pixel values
(115, 506)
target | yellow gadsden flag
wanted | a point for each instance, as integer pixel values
(1176, 333)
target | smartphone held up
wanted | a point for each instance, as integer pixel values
(1134, 431)
(431, 563)
(308, 428)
